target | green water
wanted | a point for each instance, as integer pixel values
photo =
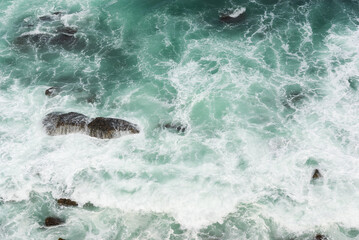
(265, 101)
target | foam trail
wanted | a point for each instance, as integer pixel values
(231, 120)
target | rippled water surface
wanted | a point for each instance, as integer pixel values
(263, 102)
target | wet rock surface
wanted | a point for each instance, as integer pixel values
(110, 127)
(58, 123)
(53, 221)
(67, 202)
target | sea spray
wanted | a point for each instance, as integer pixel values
(265, 101)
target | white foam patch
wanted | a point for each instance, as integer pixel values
(237, 12)
(226, 158)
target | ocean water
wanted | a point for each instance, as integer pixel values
(265, 101)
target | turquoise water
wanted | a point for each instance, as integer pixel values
(265, 101)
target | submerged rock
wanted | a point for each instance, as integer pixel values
(57, 13)
(53, 221)
(110, 127)
(58, 123)
(89, 206)
(236, 16)
(294, 93)
(62, 39)
(52, 17)
(316, 174)
(61, 239)
(40, 39)
(67, 202)
(52, 91)
(33, 38)
(46, 18)
(354, 83)
(177, 127)
(66, 30)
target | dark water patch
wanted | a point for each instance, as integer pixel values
(236, 225)
(294, 96)
(350, 232)
(47, 40)
(312, 162)
(354, 82)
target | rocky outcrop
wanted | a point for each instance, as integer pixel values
(53, 221)
(58, 123)
(110, 127)
(66, 202)
(316, 174)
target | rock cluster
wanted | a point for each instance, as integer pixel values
(57, 123)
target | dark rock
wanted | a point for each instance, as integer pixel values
(234, 17)
(66, 30)
(46, 18)
(57, 13)
(58, 123)
(110, 127)
(61, 239)
(176, 127)
(316, 174)
(53, 221)
(52, 91)
(67, 202)
(320, 237)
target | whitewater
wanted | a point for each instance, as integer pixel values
(236, 103)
